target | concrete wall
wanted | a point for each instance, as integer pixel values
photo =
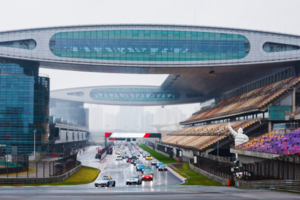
(254, 154)
(186, 153)
(249, 159)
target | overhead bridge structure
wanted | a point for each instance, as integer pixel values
(202, 63)
(128, 136)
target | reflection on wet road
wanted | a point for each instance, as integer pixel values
(121, 170)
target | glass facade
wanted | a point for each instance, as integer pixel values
(20, 44)
(134, 94)
(149, 45)
(24, 108)
(271, 47)
(78, 94)
(69, 110)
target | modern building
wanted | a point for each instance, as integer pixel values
(69, 110)
(203, 63)
(24, 107)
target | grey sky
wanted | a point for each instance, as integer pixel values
(269, 15)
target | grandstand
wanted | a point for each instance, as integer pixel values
(253, 100)
(205, 137)
(286, 144)
(206, 130)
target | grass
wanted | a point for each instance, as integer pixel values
(158, 156)
(83, 176)
(194, 178)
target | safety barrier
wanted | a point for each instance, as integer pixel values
(41, 180)
(284, 185)
(218, 179)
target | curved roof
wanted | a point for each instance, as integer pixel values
(168, 49)
(187, 52)
(167, 25)
(134, 95)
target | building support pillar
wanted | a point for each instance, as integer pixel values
(294, 100)
(269, 126)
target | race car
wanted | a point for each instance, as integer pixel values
(137, 162)
(139, 167)
(117, 152)
(145, 154)
(153, 162)
(110, 151)
(134, 179)
(129, 160)
(162, 167)
(105, 181)
(133, 161)
(119, 158)
(147, 170)
(148, 157)
(158, 164)
(147, 176)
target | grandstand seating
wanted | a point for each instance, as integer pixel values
(255, 99)
(287, 144)
(202, 137)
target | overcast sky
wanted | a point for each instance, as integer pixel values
(269, 15)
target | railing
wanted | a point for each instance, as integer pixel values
(281, 168)
(51, 179)
(18, 166)
(214, 167)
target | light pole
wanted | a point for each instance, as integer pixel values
(218, 149)
(34, 144)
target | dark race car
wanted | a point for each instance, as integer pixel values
(133, 160)
(129, 160)
(110, 151)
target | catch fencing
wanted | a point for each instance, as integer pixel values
(18, 166)
(214, 167)
(281, 168)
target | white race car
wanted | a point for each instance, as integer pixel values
(153, 162)
(134, 179)
(105, 181)
(119, 158)
(162, 168)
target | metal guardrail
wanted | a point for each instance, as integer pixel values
(40, 180)
(284, 185)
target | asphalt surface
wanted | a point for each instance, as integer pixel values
(164, 186)
(121, 170)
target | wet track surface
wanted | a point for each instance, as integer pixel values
(164, 186)
(121, 170)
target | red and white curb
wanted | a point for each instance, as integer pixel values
(176, 174)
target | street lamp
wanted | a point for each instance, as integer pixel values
(34, 144)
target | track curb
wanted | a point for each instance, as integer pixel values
(177, 175)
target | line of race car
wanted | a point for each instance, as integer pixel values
(143, 172)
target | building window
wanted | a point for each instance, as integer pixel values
(149, 45)
(20, 44)
(78, 94)
(271, 47)
(138, 94)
